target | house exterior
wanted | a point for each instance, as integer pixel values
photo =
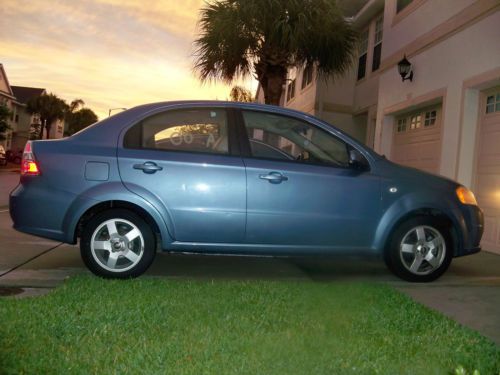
(446, 120)
(16, 99)
(24, 119)
(7, 98)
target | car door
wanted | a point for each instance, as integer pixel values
(302, 190)
(182, 162)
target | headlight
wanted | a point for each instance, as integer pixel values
(466, 196)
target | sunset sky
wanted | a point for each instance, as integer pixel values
(110, 53)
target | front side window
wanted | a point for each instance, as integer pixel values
(192, 130)
(285, 138)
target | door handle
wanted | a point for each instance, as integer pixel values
(273, 177)
(148, 167)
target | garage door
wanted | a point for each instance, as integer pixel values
(417, 140)
(487, 181)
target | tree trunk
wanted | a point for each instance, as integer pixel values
(47, 129)
(42, 126)
(272, 79)
(272, 83)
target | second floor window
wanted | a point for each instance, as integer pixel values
(290, 91)
(363, 51)
(377, 48)
(307, 76)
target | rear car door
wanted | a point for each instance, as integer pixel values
(301, 189)
(181, 161)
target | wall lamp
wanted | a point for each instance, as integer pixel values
(405, 70)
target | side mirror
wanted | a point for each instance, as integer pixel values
(357, 160)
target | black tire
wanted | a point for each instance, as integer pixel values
(94, 259)
(398, 261)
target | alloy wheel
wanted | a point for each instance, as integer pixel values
(422, 250)
(117, 245)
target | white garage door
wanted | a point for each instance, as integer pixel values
(487, 179)
(417, 140)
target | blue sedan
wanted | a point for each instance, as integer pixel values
(234, 178)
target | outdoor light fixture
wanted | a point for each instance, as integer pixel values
(405, 70)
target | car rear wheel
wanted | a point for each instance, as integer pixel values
(117, 244)
(421, 249)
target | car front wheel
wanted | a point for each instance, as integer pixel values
(421, 249)
(117, 244)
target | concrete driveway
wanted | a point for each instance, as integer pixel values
(469, 292)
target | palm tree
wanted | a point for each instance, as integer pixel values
(75, 105)
(78, 120)
(50, 108)
(240, 94)
(5, 114)
(267, 37)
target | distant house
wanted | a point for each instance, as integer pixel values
(24, 120)
(23, 95)
(7, 98)
(16, 99)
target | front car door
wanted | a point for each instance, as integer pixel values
(182, 161)
(301, 190)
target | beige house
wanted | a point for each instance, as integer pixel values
(446, 120)
(16, 99)
(7, 98)
(24, 120)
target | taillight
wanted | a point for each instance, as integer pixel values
(29, 165)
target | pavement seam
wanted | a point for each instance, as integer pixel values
(29, 260)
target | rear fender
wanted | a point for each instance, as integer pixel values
(113, 191)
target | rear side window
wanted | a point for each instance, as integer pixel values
(191, 130)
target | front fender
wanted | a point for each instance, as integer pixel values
(112, 191)
(413, 204)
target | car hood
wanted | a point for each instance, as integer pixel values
(415, 177)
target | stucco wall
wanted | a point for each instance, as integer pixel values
(444, 66)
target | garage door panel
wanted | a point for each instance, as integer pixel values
(418, 152)
(488, 191)
(491, 144)
(419, 147)
(490, 230)
(487, 178)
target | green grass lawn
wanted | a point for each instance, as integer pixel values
(162, 326)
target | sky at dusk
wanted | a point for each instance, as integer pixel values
(110, 53)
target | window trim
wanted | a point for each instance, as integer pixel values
(290, 94)
(233, 143)
(304, 84)
(364, 53)
(246, 151)
(494, 104)
(420, 112)
(377, 44)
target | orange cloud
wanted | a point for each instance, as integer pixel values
(110, 53)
